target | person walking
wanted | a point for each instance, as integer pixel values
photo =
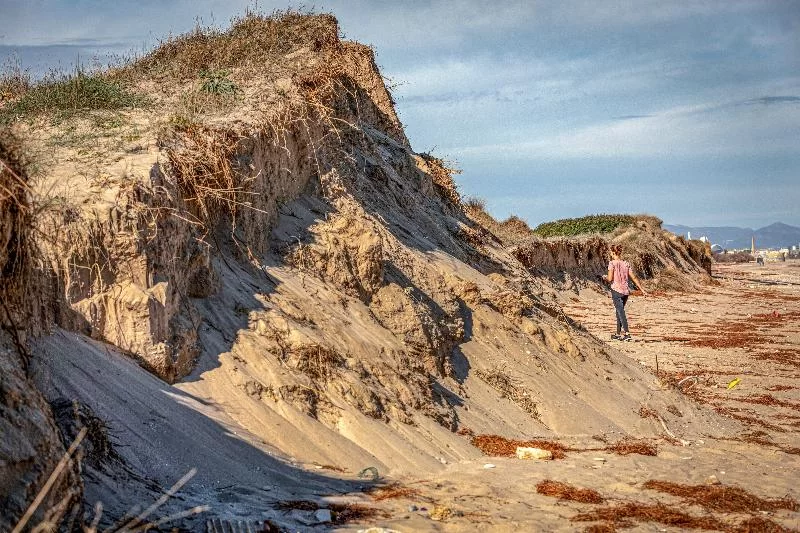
(619, 272)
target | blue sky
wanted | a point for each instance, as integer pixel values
(686, 110)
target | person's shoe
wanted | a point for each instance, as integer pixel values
(616, 337)
(627, 337)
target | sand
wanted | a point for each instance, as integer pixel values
(163, 431)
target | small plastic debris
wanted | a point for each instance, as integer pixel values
(533, 453)
(488, 466)
(713, 480)
(733, 383)
(412, 508)
(323, 515)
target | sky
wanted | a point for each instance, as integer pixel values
(688, 110)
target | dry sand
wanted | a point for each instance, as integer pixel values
(176, 430)
(504, 498)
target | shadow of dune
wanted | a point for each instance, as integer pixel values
(161, 433)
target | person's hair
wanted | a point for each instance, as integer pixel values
(617, 249)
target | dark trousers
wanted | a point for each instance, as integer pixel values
(619, 304)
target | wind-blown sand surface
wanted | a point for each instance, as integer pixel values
(728, 331)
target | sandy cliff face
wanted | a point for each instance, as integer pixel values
(665, 260)
(30, 446)
(310, 283)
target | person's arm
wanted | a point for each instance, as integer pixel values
(610, 277)
(637, 282)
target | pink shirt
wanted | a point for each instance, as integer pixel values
(620, 269)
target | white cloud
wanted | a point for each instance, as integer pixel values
(686, 131)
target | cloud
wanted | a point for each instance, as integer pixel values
(631, 117)
(769, 100)
(710, 131)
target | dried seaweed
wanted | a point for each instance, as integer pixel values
(632, 446)
(565, 491)
(393, 491)
(498, 446)
(723, 498)
(659, 512)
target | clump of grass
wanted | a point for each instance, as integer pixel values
(64, 95)
(475, 203)
(442, 174)
(218, 82)
(568, 227)
(516, 226)
(254, 39)
(565, 491)
(14, 80)
(200, 158)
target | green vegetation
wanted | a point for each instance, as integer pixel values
(217, 82)
(65, 95)
(567, 227)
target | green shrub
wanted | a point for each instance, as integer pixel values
(65, 95)
(567, 227)
(217, 82)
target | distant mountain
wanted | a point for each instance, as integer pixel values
(777, 235)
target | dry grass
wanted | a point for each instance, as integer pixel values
(64, 95)
(499, 379)
(565, 491)
(16, 251)
(442, 175)
(317, 361)
(722, 498)
(253, 40)
(200, 159)
(497, 446)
